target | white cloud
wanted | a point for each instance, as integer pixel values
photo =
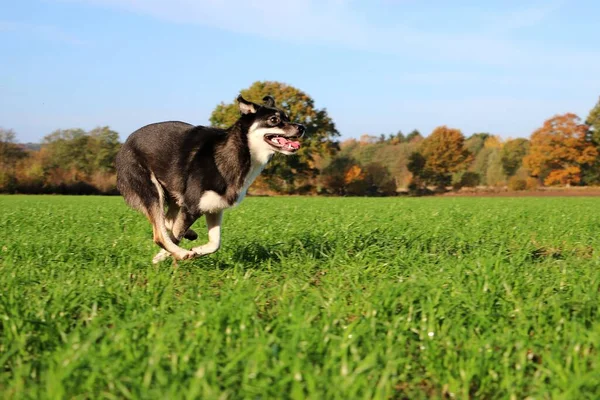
(340, 23)
(296, 21)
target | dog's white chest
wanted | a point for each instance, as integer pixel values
(255, 170)
(212, 202)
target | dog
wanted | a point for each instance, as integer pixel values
(175, 172)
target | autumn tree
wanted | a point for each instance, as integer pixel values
(348, 145)
(282, 173)
(347, 176)
(340, 175)
(444, 153)
(366, 139)
(559, 149)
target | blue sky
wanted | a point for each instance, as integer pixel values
(377, 66)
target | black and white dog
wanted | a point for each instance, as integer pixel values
(197, 170)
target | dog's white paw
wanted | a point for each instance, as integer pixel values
(184, 255)
(161, 256)
(205, 249)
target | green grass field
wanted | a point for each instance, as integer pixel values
(318, 298)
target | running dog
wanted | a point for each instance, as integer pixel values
(189, 171)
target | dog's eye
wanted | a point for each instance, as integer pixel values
(274, 120)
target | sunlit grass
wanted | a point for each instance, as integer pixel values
(307, 298)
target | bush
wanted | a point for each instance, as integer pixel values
(417, 188)
(532, 183)
(517, 184)
(104, 182)
(466, 179)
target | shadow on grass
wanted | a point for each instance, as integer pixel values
(305, 246)
(309, 246)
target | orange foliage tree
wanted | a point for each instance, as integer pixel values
(445, 153)
(346, 176)
(559, 149)
(354, 173)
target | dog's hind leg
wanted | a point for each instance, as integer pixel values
(179, 226)
(213, 223)
(156, 215)
(173, 214)
(142, 191)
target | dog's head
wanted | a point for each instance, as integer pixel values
(270, 129)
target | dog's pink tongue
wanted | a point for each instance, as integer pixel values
(288, 143)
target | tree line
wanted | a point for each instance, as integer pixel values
(69, 161)
(564, 151)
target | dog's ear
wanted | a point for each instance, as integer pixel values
(269, 101)
(246, 107)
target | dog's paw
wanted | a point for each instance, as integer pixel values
(161, 256)
(190, 235)
(185, 255)
(205, 249)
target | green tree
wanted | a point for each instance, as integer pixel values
(476, 141)
(104, 144)
(10, 151)
(420, 175)
(396, 138)
(593, 121)
(414, 136)
(400, 138)
(467, 179)
(495, 174)
(378, 180)
(68, 150)
(283, 173)
(590, 173)
(10, 154)
(481, 163)
(416, 164)
(82, 153)
(512, 155)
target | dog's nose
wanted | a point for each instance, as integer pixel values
(301, 128)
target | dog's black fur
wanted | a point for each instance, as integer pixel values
(197, 170)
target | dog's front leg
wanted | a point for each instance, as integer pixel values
(213, 223)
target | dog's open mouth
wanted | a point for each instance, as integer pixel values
(283, 143)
